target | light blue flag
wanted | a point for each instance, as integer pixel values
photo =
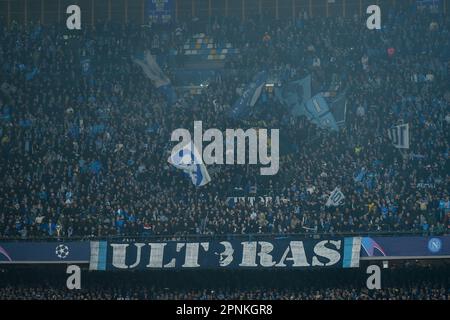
(339, 108)
(295, 94)
(359, 176)
(318, 111)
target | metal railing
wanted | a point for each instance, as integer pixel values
(224, 237)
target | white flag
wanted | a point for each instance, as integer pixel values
(336, 198)
(188, 159)
(399, 136)
(152, 70)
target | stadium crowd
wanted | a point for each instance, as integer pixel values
(416, 283)
(84, 149)
(411, 293)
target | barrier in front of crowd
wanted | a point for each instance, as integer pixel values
(232, 252)
(144, 236)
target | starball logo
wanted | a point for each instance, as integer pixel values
(235, 146)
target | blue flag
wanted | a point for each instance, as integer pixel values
(86, 67)
(30, 75)
(295, 94)
(250, 95)
(359, 176)
(151, 69)
(318, 111)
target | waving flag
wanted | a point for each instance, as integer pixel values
(250, 95)
(336, 198)
(359, 176)
(338, 107)
(152, 70)
(189, 160)
(295, 94)
(318, 111)
(399, 136)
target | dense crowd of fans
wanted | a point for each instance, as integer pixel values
(84, 149)
(411, 293)
(401, 284)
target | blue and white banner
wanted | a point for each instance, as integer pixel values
(160, 11)
(277, 253)
(44, 252)
(399, 136)
(250, 95)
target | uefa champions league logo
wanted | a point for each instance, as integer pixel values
(62, 251)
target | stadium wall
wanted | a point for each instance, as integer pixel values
(278, 252)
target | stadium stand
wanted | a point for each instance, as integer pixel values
(85, 138)
(414, 282)
(84, 150)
